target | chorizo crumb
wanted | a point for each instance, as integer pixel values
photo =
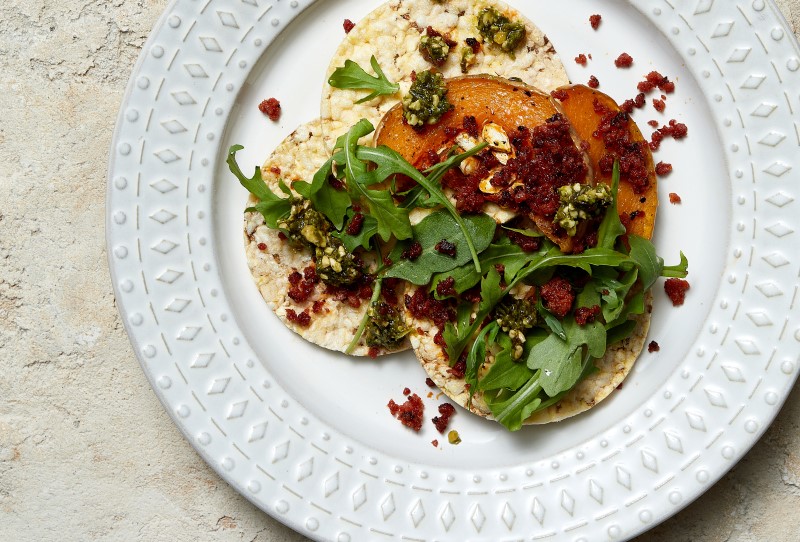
(302, 320)
(413, 251)
(674, 198)
(594, 82)
(557, 296)
(653, 347)
(595, 20)
(660, 105)
(676, 290)
(624, 61)
(586, 315)
(446, 247)
(409, 413)
(271, 108)
(446, 410)
(348, 25)
(663, 169)
(581, 59)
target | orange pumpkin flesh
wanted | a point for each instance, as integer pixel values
(578, 107)
(485, 97)
(510, 105)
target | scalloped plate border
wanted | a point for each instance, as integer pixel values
(307, 475)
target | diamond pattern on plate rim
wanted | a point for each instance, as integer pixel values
(175, 276)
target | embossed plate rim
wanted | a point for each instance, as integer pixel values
(180, 391)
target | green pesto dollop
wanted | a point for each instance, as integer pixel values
(579, 202)
(434, 49)
(335, 264)
(498, 29)
(426, 100)
(385, 327)
(515, 316)
(468, 58)
(305, 226)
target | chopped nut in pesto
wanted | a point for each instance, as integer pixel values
(468, 59)
(335, 264)
(426, 100)
(579, 202)
(514, 316)
(498, 29)
(305, 226)
(434, 49)
(385, 327)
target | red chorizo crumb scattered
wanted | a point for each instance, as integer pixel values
(653, 123)
(459, 369)
(406, 391)
(525, 242)
(560, 94)
(413, 251)
(318, 305)
(659, 105)
(446, 410)
(409, 413)
(302, 320)
(586, 315)
(354, 227)
(581, 59)
(446, 247)
(435, 443)
(271, 108)
(594, 82)
(557, 296)
(663, 169)
(446, 287)
(373, 352)
(594, 20)
(430, 383)
(423, 305)
(302, 286)
(676, 290)
(348, 25)
(624, 61)
(262, 246)
(674, 198)
(675, 130)
(275, 170)
(653, 347)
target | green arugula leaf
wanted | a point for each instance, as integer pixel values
(391, 219)
(432, 229)
(677, 271)
(353, 76)
(477, 354)
(644, 256)
(553, 323)
(458, 338)
(561, 361)
(324, 197)
(611, 227)
(364, 237)
(512, 410)
(390, 162)
(271, 206)
(505, 372)
(504, 253)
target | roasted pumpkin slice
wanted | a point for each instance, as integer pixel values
(610, 133)
(503, 111)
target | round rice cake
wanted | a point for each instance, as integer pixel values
(392, 34)
(612, 370)
(271, 260)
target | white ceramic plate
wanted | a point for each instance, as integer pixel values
(306, 435)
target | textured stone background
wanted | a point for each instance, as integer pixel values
(86, 451)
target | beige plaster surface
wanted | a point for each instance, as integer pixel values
(86, 450)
